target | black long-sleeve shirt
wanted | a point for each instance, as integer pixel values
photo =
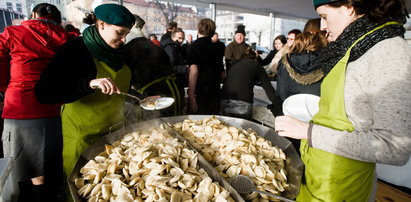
(267, 60)
(241, 79)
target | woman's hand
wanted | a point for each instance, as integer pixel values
(291, 127)
(106, 85)
(193, 104)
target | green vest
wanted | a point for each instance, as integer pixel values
(329, 177)
(89, 118)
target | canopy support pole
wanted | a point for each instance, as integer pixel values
(213, 11)
(272, 30)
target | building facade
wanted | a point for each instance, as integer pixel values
(187, 16)
(258, 27)
(12, 11)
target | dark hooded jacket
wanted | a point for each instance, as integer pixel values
(148, 62)
(175, 52)
(25, 52)
(299, 73)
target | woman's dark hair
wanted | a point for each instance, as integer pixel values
(249, 54)
(90, 18)
(46, 9)
(282, 38)
(69, 28)
(206, 27)
(172, 25)
(377, 10)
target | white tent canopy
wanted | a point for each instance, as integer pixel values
(284, 8)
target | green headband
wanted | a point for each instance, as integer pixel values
(318, 3)
(115, 14)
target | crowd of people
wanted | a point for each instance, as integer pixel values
(62, 89)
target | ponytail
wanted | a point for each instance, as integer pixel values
(46, 9)
(89, 18)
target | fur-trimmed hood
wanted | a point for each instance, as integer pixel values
(303, 67)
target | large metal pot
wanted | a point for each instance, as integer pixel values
(294, 165)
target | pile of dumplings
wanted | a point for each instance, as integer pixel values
(149, 165)
(235, 151)
(152, 165)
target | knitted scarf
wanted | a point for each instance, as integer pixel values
(330, 56)
(99, 49)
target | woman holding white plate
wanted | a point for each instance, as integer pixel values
(364, 111)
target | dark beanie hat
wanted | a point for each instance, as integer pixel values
(240, 29)
(318, 3)
(115, 14)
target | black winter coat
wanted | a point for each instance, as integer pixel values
(147, 62)
(67, 77)
(299, 73)
(210, 66)
(176, 54)
(240, 81)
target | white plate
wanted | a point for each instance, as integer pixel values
(301, 106)
(161, 103)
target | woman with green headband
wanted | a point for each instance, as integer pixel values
(364, 113)
(92, 61)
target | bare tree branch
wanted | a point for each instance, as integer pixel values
(169, 10)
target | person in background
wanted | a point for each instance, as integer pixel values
(136, 31)
(151, 75)
(206, 71)
(220, 46)
(290, 40)
(175, 52)
(237, 95)
(299, 70)
(72, 31)
(153, 38)
(32, 131)
(236, 49)
(170, 28)
(364, 111)
(189, 41)
(87, 74)
(278, 43)
(313, 25)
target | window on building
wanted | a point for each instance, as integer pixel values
(19, 8)
(9, 5)
(239, 17)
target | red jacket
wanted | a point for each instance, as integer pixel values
(25, 52)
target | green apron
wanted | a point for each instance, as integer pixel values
(329, 177)
(90, 117)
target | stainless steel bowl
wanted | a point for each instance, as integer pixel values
(294, 165)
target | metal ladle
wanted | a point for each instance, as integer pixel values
(132, 96)
(244, 185)
(140, 101)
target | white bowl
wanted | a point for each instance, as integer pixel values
(301, 106)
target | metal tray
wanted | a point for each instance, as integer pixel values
(294, 165)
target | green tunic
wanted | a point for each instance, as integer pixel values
(90, 117)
